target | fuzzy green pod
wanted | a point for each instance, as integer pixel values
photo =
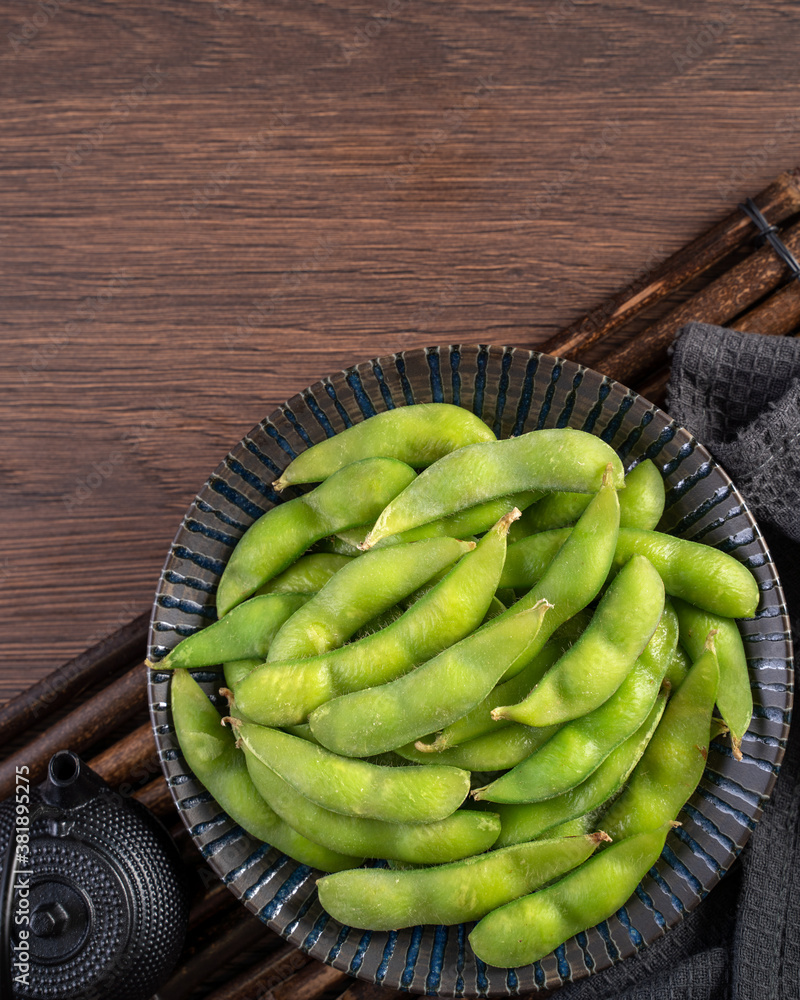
(284, 693)
(735, 696)
(352, 496)
(697, 573)
(594, 667)
(367, 587)
(432, 696)
(246, 631)
(539, 460)
(417, 435)
(530, 927)
(383, 900)
(355, 787)
(460, 835)
(210, 751)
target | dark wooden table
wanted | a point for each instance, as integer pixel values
(208, 205)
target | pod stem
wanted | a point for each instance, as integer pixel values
(709, 645)
(438, 744)
(599, 837)
(279, 485)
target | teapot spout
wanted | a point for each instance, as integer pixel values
(70, 783)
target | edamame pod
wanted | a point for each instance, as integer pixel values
(592, 670)
(580, 746)
(530, 927)
(479, 721)
(211, 753)
(236, 670)
(360, 591)
(460, 835)
(382, 900)
(641, 503)
(352, 496)
(735, 696)
(354, 787)
(417, 435)
(279, 694)
(495, 751)
(538, 460)
(435, 694)
(525, 821)
(244, 632)
(306, 576)
(675, 758)
(578, 570)
(472, 521)
(697, 573)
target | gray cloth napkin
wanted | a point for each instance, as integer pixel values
(740, 395)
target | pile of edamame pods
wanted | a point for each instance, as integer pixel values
(494, 674)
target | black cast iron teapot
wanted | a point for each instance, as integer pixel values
(94, 900)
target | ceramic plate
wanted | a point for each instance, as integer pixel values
(513, 391)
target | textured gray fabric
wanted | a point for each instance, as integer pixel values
(740, 395)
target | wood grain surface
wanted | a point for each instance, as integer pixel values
(205, 206)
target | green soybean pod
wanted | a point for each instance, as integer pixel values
(697, 573)
(360, 591)
(354, 787)
(472, 521)
(594, 667)
(211, 753)
(539, 460)
(435, 694)
(237, 670)
(460, 835)
(479, 721)
(417, 435)
(306, 576)
(578, 570)
(494, 751)
(530, 927)
(678, 668)
(244, 632)
(352, 496)
(580, 747)
(382, 900)
(675, 758)
(735, 696)
(641, 503)
(284, 693)
(528, 820)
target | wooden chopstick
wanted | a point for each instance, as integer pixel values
(720, 302)
(778, 202)
(81, 729)
(109, 657)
